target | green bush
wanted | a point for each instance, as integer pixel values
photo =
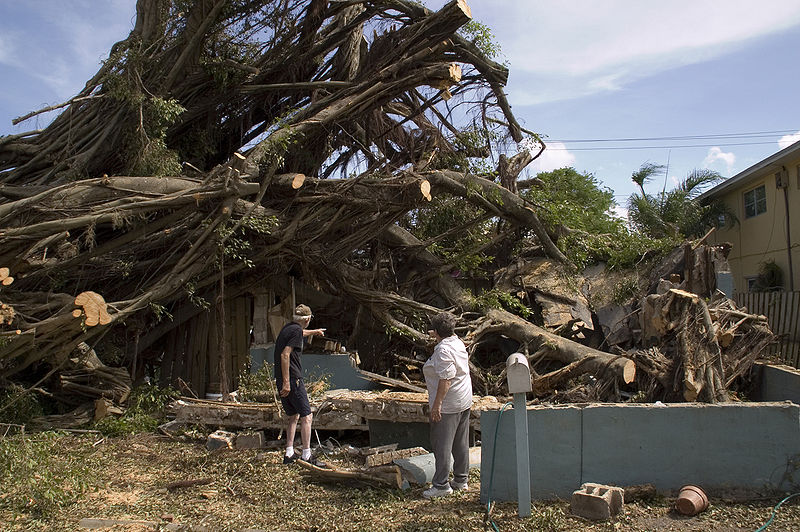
(146, 411)
(258, 386)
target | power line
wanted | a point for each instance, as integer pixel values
(754, 134)
(659, 147)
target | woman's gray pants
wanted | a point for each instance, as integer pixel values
(450, 437)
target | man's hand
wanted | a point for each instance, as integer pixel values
(436, 414)
(314, 332)
(286, 388)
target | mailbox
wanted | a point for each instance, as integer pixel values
(518, 373)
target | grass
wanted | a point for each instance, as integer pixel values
(50, 481)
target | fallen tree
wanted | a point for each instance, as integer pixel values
(225, 142)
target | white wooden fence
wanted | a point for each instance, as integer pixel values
(782, 309)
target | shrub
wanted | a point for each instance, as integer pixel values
(146, 411)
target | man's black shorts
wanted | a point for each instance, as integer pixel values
(297, 400)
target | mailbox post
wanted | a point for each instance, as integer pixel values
(519, 383)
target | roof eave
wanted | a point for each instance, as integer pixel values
(741, 177)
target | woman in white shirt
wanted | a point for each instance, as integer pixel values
(449, 398)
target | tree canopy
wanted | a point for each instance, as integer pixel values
(675, 212)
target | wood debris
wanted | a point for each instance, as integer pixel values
(390, 456)
(386, 475)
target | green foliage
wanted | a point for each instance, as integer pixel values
(160, 114)
(675, 213)
(443, 214)
(575, 200)
(258, 386)
(470, 152)
(260, 223)
(18, 407)
(146, 411)
(482, 37)
(155, 159)
(191, 288)
(624, 290)
(235, 245)
(38, 480)
(499, 299)
(160, 311)
(397, 332)
(578, 202)
(620, 249)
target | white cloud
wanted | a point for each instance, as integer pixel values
(70, 40)
(715, 155)
(587, 46)
(554, 156)
(787, 140)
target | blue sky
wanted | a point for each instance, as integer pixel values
(581, 69)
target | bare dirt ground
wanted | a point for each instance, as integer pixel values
(127, 479)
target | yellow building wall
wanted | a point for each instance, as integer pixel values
(763, 237)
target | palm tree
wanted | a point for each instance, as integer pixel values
(676, 212)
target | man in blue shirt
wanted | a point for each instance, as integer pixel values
(289, 381)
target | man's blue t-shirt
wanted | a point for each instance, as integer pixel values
(291, 335)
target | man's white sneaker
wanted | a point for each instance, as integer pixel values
(459, 486)
(434, 492)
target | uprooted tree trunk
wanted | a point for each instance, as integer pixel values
(542, 343)
(261, 102)
(696, 351)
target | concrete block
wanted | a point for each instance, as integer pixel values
(420, 469)
(220, 439)
(254, 440)
(596, 501)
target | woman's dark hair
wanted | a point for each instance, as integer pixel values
(444, 324)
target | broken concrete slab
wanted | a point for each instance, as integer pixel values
(344, 410)
(559, 295)
(252, 440)
(219, 440)
(420, 469)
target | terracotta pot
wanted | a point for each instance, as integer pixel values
(691, 500)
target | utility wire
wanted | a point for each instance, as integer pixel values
(754, 134)
(658, 147)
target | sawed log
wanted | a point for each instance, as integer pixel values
(557, 348)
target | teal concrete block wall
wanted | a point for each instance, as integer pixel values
(338, 368)
(742, 445)
(554, 450)
(778, 383)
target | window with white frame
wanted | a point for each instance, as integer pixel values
(755, 201)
